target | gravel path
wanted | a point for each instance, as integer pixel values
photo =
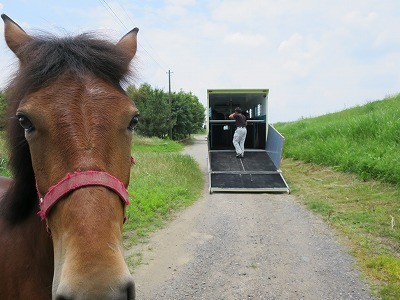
(245, 246)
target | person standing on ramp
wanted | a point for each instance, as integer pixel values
(240, 133)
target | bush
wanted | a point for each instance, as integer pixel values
(159, 112)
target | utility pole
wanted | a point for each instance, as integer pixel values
(170, 104)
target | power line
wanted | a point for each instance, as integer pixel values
(153, 58)
(126, 13)
(109, 9)
(144, 38)
(115, 16)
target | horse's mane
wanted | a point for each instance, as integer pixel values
(45, 58)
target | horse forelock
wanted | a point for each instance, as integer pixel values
(46, 58)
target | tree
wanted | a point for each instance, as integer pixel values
(154, 110)
(188, 113)
(185, 113)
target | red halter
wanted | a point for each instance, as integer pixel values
(78, 180)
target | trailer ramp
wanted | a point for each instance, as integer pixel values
(256, 172)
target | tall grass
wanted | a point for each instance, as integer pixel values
(162, 181)
(364, 140)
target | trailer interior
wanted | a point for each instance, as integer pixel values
(259, 170)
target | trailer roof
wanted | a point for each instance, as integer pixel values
(237, 91)
(245, 98)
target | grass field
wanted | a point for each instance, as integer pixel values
(363, 204)
(364, 140)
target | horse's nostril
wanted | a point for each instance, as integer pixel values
(130, 291)
(61, 297)
(64, 293)
(124, 290)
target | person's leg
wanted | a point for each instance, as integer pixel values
(236, 139)
(242, 140)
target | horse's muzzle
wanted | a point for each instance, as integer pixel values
(125, 291)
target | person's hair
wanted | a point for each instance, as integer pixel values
(238, 110)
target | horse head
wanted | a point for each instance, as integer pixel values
(75, 121)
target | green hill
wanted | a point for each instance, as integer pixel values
(364, 140)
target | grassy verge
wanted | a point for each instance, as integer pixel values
(366, 213)
(162, 181)
(364, 140)
(146, 144)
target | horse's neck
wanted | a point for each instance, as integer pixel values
(29, 233)
(31, 237)
(34, 236)
(26, 258)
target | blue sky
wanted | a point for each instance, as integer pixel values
(316, 57)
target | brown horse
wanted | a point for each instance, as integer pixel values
(69, 133)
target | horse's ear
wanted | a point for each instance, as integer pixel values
(15, 36)
(128, 43)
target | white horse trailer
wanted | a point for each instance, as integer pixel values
(259, 170)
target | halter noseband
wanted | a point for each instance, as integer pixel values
(77, 180)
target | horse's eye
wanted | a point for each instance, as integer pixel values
(25, 123)
(133, 122)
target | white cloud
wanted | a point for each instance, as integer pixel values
(238, 11)
(211, 29)
(300, 56)
(389, 37)
(180, 2)
(291, 44)
(175, 10)
(357, 18)
(238, 38)
(177, 7)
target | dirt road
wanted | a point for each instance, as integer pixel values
(246, 246)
